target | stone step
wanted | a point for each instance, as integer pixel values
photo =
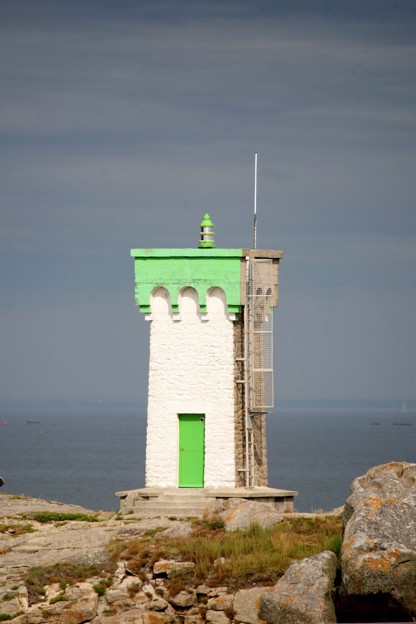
(169, 505)
(199, 498)
(169, 508)
(169, 496)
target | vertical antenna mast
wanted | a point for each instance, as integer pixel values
(255, 201)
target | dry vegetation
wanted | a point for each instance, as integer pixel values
(236, 559)
(15, 529)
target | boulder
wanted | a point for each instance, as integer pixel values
(149, 591)
(133, 616)
(247, 604)
(193, 619)
(241, 514)
(165, 567)
(122, 590)
(202, 590)
(156, 617)
(158, 604)
(179, 529)
(379, 546)
(224, 602)
(217, 617)
(183, 599)
(211, 592)
(304, 594)
(121, 571)
(82, 606)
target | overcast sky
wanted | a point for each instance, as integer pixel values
(123, 121)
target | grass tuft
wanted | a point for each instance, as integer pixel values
(152, 532)
(335, 544)
(101, 587)
(53, 516)
(63, 573)
(16, 529)
(58, 598)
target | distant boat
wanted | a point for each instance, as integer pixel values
(403, 408)
(33, 422)
(4, 422)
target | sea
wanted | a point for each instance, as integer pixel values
(85, 456)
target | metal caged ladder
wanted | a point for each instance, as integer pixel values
(258, 351)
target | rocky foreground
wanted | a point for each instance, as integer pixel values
(373, 580)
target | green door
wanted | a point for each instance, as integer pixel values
(191, 450)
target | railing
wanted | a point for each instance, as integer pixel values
(259, 335)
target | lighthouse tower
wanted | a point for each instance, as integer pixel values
(210, 370)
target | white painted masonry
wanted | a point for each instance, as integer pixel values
(191, 371)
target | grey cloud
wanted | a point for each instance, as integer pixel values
(123, 122)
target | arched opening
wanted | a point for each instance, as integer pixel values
(188, 301)
(160, 301)
(216, 302)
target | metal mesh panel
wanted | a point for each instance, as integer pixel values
(260, 334)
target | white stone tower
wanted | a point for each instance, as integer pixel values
(210, 369)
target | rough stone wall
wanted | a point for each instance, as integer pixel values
(260, 450)
(191, 370)
(239, 415)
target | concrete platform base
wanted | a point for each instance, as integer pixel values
(191, 502)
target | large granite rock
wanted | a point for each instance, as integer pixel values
(304, 594)
(80, 542)
(47, 544)
(241, 514)
(379, 547)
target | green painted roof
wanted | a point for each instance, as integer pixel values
(186, 253)
(175, 269)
